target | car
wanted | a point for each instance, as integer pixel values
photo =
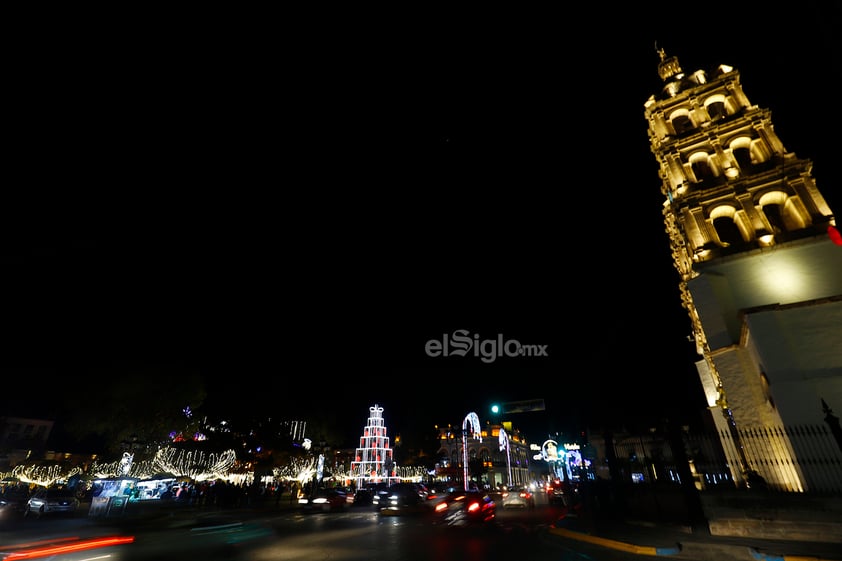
(437, 490)
(381, 492)
(9, 510)
(404, 498)
(350, 493)
(560, 493)
(12, 503)
(465, 508)
(365, 495)
(325, 500)
(52, 500)
(517, 496)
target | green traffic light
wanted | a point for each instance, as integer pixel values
(495, 408)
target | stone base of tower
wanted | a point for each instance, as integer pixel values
(776, 517)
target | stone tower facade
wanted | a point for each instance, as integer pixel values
(760, 264)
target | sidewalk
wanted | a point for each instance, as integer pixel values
(684, 542)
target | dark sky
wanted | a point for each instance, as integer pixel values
(296, 209)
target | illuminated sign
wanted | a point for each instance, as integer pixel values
(549, 451)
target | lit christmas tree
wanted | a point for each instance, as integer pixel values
(373, 462)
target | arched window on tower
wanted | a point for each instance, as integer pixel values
(743, 157)
(724, 220)
(682, 124)
(700, 166)
(782, 212)
(727, 230)
(774, 215)
(681, 121)
(716, 110)
(741, 152)
(701, 169)
(716, 107)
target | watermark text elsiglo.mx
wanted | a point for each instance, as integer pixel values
(462, 343)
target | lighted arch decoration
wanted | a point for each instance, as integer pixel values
(473, 420)
(503, 439)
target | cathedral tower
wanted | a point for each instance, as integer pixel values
(760, 264)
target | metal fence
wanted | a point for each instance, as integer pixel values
(785, 459)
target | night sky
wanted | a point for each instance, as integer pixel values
(297, 209)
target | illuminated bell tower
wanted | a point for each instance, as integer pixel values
(760, 265)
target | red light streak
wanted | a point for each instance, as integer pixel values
(69, 547)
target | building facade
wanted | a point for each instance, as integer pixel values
(502, 464)
(22, 438)
(760, 264)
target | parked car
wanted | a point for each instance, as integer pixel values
(464, 508)
(51, 500)
(517, 496)
(324, 500)
(12, 504)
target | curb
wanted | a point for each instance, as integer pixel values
(765, 557)
(666, 551)
(614, 544)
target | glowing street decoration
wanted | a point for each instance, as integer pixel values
(42, 475)
(320, 468)
(554, 457)
(196, 465)
(549, 451)
(472, 420)
(503, 439)
(373, 459)
(126, 463)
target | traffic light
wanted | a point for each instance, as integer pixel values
(495, 409)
